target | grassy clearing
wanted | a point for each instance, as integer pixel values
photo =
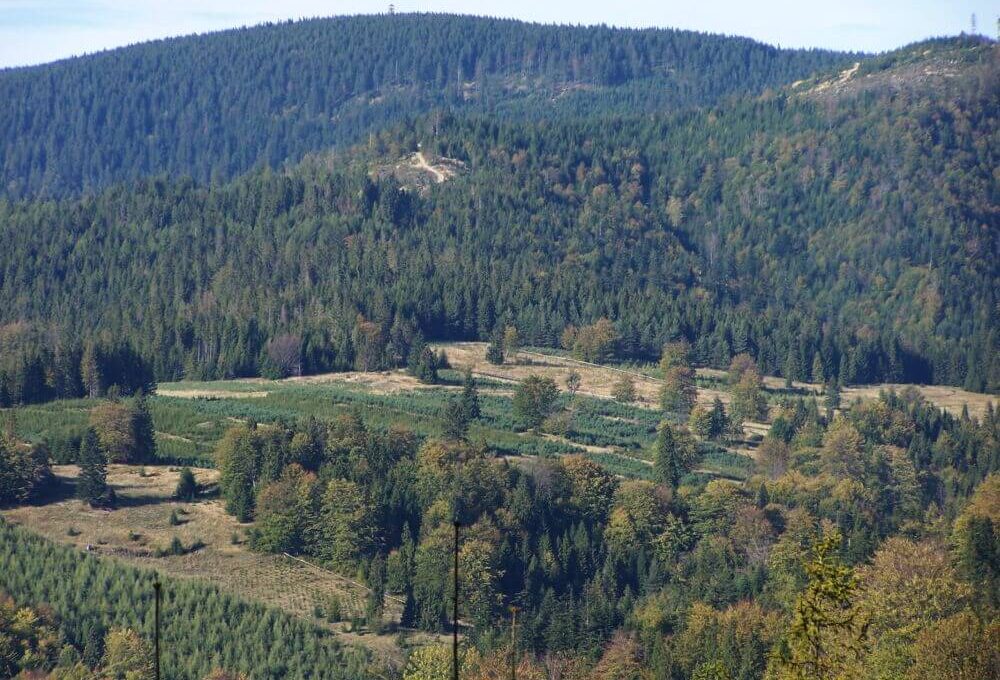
(712, 382)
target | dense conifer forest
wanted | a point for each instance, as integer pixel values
(214, 106)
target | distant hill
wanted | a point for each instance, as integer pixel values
(940, 65)
(214, 106)
(852, 237)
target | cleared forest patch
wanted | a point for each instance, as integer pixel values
(419, 172)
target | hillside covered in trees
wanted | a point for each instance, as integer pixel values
(347, 194)
(849, 236)
(217, 105)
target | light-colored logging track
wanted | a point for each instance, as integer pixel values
(422, 163)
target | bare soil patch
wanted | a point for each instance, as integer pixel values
(379, 382)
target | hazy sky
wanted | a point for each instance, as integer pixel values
(36, 31)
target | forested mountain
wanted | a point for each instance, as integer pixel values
(214, 106)
(855, 232)
(333, 194)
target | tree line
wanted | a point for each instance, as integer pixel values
(35, 368)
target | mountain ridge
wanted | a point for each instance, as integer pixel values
(216, 105)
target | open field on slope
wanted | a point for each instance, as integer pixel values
(140, 526)
(190, 417)
(595, 380)
(951, 399)
(599, 380)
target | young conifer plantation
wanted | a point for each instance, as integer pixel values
(621, 354)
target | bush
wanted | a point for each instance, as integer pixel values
(558, 424)
(494, 353)
(624, 390)
(333, 609)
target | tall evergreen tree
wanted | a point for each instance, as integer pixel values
(718, 420)
(470, 397)
(818, 374)
(92, 484)
(831, 397)
(90, 371)
(979, 559)
(187, 486)
(144, 430)
(456, 418)
(668, 460)
(494, 351)
(375, 607)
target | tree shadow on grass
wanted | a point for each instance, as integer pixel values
(123, 501)
(58, 490)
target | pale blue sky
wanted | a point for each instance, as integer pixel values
(36, 31)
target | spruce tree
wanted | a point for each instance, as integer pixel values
(470, 397)
(825, 627)
(979, 559)
(376, 596)
(719, 421)
(832, 396)
(93, 648)
(422, 363)
(494, 352)
(92, 485)
(817, 369)
(456, 419)
(143, 431)
(668, 464)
